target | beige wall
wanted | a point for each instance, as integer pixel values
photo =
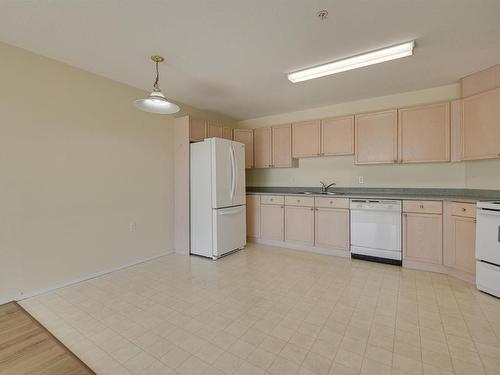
(483, 174)
(309, 172)
(78, 164)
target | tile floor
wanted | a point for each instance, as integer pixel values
(273, 311)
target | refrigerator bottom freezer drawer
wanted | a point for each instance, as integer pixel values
(229, 230)
(488, 278)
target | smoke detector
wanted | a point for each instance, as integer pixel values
(322, 14)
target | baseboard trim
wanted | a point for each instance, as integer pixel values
(35, 293)
(293, 246)
(421, 266)
(440, 268)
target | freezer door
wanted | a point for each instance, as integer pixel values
(239, 195)
(229, 230)
(222, 173)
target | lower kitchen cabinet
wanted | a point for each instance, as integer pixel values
(463, 242)
(253, 216)
(332, 228)
(299, 225)
(460, 237)
(272, 222)
(423, 237)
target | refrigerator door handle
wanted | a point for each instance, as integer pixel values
(231, 157)
(235, 171)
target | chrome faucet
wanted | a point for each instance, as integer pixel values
(325, 187)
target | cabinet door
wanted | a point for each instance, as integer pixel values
(337, 136)
(214, 130)
(282, 146)
(376, 137)
(227, 133)
(299, 225)
(253, 216)
(424, 133)
(262, 147)
(423, 237)
(332, 228)
(463, 243)
(197, 129)
(245, 136)
(306, 139)
(272, 222)
(481, 126)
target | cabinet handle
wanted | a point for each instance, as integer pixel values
(312, 209)
(298, 200)
(464, 209)
(421, 206)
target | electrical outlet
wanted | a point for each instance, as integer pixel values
(361, 180)
(132, 227)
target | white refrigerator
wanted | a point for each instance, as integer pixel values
(217, 191)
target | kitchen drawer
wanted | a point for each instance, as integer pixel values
(423, 207)
(463, 209)
(332, 202)
(272, 199)
(299, 201)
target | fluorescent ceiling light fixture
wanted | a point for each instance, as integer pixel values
(354, 62)
(156, 101)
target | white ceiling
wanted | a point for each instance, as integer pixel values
(232, 56)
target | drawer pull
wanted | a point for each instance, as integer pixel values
(421, 206)
(464, 209)
(312, 209)
(298, 200)
(331, 202)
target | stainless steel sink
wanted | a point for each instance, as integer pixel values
(318, 192)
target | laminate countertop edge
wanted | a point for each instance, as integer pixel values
(466, 196)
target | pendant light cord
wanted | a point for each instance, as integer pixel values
(156, 85)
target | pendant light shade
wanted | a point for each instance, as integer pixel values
(156, 101)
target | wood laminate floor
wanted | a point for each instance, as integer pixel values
(26, 347)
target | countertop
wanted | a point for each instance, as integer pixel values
(455, 195)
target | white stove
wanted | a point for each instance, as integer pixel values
(488, 247)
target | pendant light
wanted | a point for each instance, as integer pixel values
(156, 102)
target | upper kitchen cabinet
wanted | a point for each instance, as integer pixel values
(376, 137)
(337, 136)
(197, 129)
(214, 129)
(245, 136)
(306, 139)
(424, 133)
(227, 132)
(262, 147)
(281, 146)
(481, 126)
